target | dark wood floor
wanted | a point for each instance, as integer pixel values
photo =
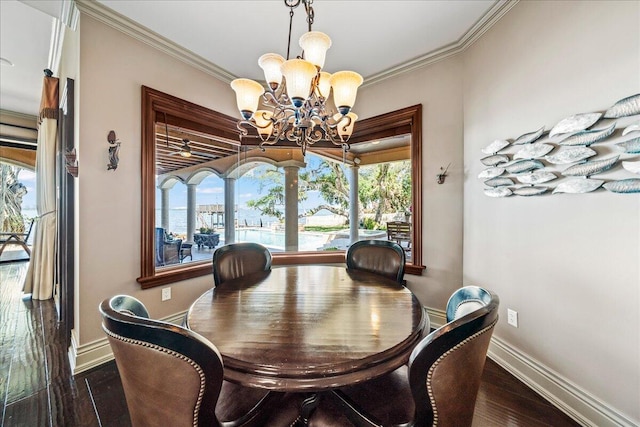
(37, 387)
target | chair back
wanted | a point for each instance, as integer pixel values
(382, 257)
(239, 259)
(446, 367)
(170, 375)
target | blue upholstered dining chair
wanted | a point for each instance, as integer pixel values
(382, 257)
(238, 259)
(439, 385)
(172, 376)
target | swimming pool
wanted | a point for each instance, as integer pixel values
(275, 239)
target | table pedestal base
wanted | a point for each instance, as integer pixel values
(306, 409)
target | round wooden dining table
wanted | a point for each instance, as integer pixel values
(309, 328)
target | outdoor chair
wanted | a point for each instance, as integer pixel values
(440, 384)
(239, 259)
(185, 251)
(15, 238)
(167, 251)
(172, 376)
(377, 256)
(400, 232)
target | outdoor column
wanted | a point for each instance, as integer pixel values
(191, 211)
(354, 221)
(291, 208)
(229, 212)
(164, 209)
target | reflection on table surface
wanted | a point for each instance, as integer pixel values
(309, 327)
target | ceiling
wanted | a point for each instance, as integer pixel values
(370, 37)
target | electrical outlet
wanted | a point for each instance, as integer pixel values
(512, 317)
(166, 294)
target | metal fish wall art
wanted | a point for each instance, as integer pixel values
(528, 138)
(521, 166)
(529, 191)
(578, 186)
(588, 137)
(591, 167)
(631, 146)
(533, 151)
(495, 160)
(571, 155)
(633, 167)
(631, 185)
(491, 173)
(628, 106)
(495, 146)
(498, 192)
(631, 128)
(499, 182)
(575, 123)
(537, 177)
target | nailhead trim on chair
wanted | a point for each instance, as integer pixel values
(437, 362)
(197, 367)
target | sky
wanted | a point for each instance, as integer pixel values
(28, 178)
(211, 191)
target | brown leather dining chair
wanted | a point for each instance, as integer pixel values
(239, 259)
(382, 257)
(172, 376)
(439, 385)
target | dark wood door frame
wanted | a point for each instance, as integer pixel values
(66, 201)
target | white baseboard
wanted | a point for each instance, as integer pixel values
(436, 317)
(574, 401)
(93, 354)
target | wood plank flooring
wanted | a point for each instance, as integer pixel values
(37, 388)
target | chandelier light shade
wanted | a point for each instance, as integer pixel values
(315, 45)
(270, 64)
(248, 94)
(264, 123)
(294, 107)
(298, 75)
(345, 87)
(324, 84)
(345, 124)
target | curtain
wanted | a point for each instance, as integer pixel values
(40, 275)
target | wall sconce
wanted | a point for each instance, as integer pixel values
(441, 176)
(71, 163)
(114, 149)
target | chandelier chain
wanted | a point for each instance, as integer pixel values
(290, 25)
(310, 13)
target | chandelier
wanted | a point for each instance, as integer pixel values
(294, 105)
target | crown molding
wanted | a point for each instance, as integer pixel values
(123, 24)
(133, 29)
(482, 25)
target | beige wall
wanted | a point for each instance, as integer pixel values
(438, 88)
(569, 264)
(113, 67)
